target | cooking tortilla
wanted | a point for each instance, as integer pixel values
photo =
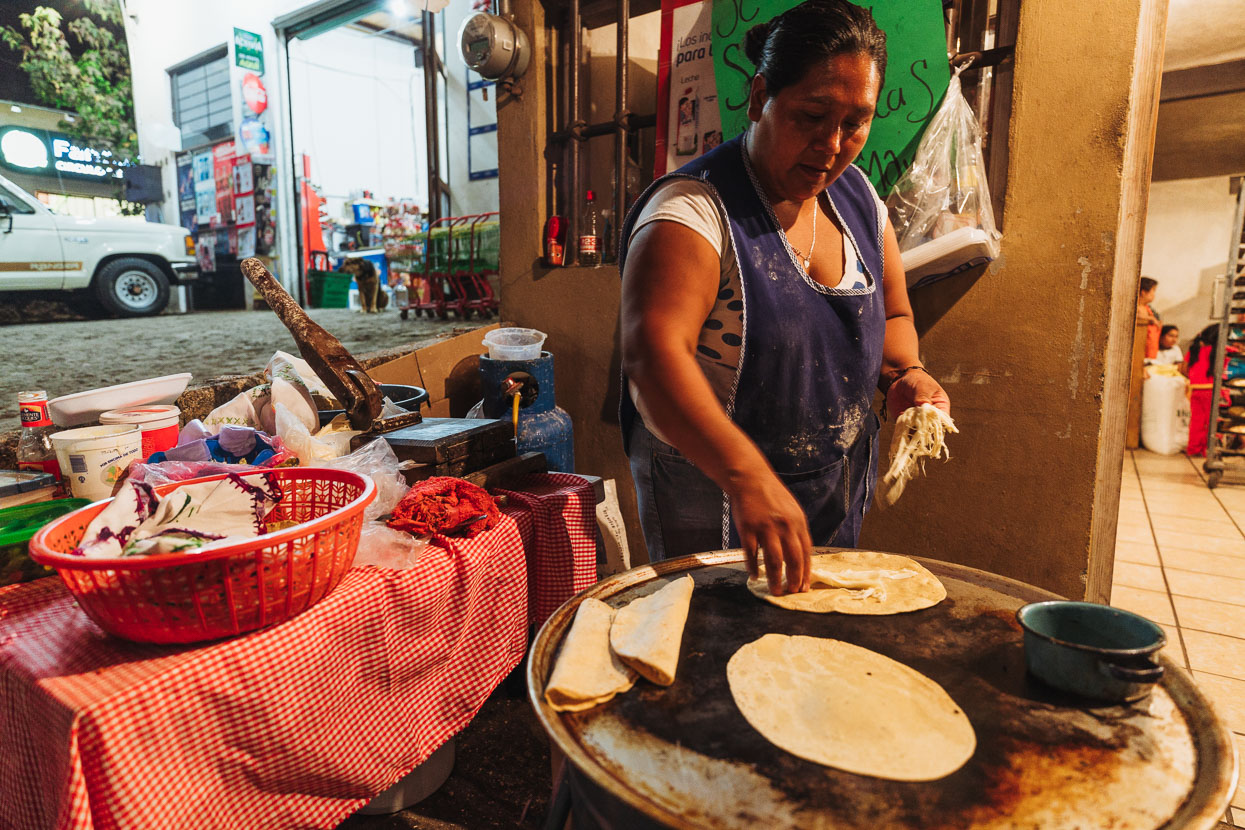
(647, 633)
(860, 582)
(850, 708)
(588, 672)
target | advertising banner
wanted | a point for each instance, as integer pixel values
(252, 113)
(694, 32)
(186, 193)
(204, 188)
(222, 165)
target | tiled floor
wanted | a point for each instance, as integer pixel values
(1180, 560)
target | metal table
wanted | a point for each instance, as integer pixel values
(683, 756)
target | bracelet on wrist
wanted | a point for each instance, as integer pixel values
(897, 375)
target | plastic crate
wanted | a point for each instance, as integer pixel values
(329, 289)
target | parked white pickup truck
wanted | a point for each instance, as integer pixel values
(128, 265)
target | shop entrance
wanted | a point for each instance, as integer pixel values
(390, 139)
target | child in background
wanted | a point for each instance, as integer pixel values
(1146, 314)
(1168, 349)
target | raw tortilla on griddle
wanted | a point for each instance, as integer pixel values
(647, 633)
(587, 672)
(847, 707)
(860, 582)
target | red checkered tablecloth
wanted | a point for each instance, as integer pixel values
(563, 536)
(297, 725)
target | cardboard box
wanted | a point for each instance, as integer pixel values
(449, 369)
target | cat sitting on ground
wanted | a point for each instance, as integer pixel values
(364, 272)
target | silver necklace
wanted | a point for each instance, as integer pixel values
(811, 245)
(807, 260)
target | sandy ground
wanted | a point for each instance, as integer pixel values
(75, 355)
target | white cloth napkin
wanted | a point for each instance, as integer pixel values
(191, 518)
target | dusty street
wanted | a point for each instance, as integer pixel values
(75, 355)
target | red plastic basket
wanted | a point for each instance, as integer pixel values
(189, 597)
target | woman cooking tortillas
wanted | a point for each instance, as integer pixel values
(763, 302)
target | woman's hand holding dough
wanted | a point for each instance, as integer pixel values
(770, 520)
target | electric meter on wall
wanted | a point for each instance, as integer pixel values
(494, 47)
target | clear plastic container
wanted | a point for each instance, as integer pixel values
(514, 344)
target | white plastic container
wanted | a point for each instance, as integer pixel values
(159, 424)
(418, 784)
(92, 459)
(514, 343)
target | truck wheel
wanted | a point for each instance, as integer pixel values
(132, 287)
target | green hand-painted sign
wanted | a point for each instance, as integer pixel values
(916, 76)
(248, 51)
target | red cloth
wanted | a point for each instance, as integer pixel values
(442, 504)
(297, 725)
(564, 533)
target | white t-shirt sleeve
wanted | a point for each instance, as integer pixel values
(690, 203)
(882, 214)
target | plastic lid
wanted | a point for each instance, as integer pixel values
(18, 524)
(13, 482)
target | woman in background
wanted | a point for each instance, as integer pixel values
(1202, 384)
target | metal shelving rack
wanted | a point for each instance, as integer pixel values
(1220, 456)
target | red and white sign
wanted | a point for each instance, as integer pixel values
(253, 93)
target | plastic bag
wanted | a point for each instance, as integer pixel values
(1165, 413)
(945, 190)
(167, 472)
(385, 547)
(378, 461)
(312, 450)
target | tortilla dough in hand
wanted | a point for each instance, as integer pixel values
(847, 707)
(860, 582)
(647, 633)
(588, 672)
(920, 433)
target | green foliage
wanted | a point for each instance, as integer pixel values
(92, 79)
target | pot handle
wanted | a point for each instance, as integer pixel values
(1151, 673)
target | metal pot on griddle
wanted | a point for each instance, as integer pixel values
(683, 756)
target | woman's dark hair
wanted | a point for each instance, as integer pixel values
(1163, 331)
(1146, 285)
(1207, 338)
(785, 48)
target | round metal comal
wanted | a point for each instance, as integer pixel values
(683, 756)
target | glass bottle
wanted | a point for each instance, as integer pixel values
(34, 448)
(590, 234)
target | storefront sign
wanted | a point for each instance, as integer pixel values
(44, 153)
(248, 51)
(703, 79)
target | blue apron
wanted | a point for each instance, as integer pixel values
(811, 355)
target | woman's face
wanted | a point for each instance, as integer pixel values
(807, 134)
(1168, 340)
